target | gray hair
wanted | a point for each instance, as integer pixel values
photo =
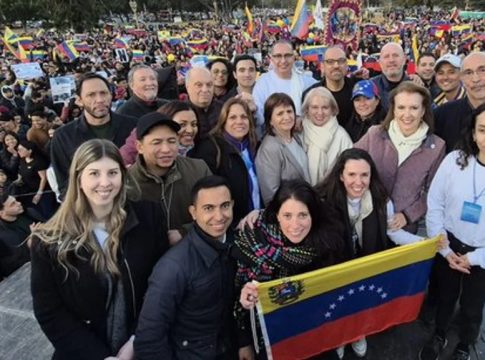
(194, 69)
(135, 68)
(322, 92)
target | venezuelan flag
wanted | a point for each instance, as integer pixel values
(250, 24)
(26, 42)
(175, 40)
(301, 20)
(273, 27)
(68, 50)
(137, 55)
(307, 314)
(37, 55)
(313, 53)
(198, 45)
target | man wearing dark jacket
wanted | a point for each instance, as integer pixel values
(96, 121)
(187, 313)
(143, 83)
(15, 226)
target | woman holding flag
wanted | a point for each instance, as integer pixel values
(293, 235)
(353, 188)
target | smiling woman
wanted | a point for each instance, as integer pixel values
(230, 152)
(92, 259)
(406, 152)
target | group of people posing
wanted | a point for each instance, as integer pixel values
(151, 254)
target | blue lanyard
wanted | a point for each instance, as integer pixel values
(475, 196)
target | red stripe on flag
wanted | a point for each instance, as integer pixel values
(349, 328)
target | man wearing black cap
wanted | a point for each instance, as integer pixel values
(161, 174)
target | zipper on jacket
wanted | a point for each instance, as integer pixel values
(132, 288)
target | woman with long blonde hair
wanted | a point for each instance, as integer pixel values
(92, 259)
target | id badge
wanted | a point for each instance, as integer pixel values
(471, 212)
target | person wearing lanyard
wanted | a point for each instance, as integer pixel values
(456, 203)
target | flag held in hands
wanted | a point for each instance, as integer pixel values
(307, 314)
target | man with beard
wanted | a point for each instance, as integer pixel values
(335, 79)
(143, 83)
(95, 122)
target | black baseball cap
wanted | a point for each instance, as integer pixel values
(148, 121)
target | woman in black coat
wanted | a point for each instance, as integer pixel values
(92, 260)
(229, 151)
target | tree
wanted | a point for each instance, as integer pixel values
(20, 10)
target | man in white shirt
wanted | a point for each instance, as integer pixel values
(281, 78)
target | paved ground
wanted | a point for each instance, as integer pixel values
(22, 339)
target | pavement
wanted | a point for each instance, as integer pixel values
(22, 339)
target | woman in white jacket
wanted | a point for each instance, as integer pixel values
(322, 137)
(456, 203)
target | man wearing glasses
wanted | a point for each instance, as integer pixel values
(282, 77)
(334, 72)
(451, 118)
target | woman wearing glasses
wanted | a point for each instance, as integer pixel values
(221, 71)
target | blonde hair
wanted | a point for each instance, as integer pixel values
(321, 92)
(70, 231)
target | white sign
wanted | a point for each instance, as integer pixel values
(28, 71)
(62, 88)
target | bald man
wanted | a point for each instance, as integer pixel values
(392, 61)
(452, 117)
(200, 88)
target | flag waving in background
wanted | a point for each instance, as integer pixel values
(250, 25)
(318, 15)
(301, 20)
(307, 314)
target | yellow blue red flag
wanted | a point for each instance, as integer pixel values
(301, 20)
(307, 314)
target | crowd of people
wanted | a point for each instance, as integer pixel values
(150, 202)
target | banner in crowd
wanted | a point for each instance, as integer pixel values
(62, 88)
(27, 71)
(343, 22)
(307, 314)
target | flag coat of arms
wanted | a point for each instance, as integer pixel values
(307, 314)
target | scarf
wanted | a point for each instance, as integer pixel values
(405, 145)
(317, 141)
(238, 144)
(268, 254)
(183, 150)
(358, 210)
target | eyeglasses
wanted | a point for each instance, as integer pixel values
(279, 57)
(340, 61)
(468, 74)
(217, 72)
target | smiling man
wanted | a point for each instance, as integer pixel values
(143, 83)
(187, 313)
(281, 78)
(95, 122)
(392, 61)
(162, 174)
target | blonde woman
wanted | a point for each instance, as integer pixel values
(323, 138)
(92, 259)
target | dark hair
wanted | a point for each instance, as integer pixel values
(230, 77)
(426, 54)
(171, 108)
(3, 199)
(242, 58)
(467, 146)
(208, 182)
(411, 88)
(90, 76)
(332, 189)
(39, 113)
(11, 133)
(326, 230)
(276, 99)
(218, 129)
